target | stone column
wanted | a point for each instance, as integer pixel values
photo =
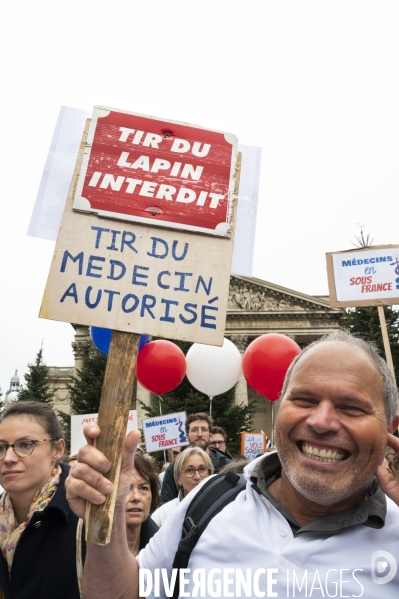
(81, 345)
(144, 396)
(241, 342)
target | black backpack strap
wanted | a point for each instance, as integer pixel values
(216, 493)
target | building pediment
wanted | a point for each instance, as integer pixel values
(248, 294)
(256, 307)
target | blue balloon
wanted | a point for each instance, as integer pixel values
(102, 339)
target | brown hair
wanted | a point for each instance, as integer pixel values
(199, 416)
(147, 469)
(218, 430)
(172, 452)
(38, 411)
(236, 465)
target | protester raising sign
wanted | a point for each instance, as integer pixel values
(165, 432)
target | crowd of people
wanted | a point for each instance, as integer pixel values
(326, 498)
(42, 541)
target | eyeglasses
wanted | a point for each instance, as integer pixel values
(199, 430)
(202, 471)
(22, 448)
(214, 443)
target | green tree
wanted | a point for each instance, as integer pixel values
(366, 323)
(85, 388)
(234, 419)
(37, 385)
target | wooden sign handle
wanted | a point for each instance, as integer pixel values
(385, 338)
(113, 417)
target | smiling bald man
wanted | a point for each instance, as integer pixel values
(312, 521)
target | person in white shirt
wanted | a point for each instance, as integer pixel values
(312, 512)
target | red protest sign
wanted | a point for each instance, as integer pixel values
(155, 171)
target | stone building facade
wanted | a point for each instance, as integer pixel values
(255, 307)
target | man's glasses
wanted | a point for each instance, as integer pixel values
(199, 430)
(22, 448)
(202, 471)
(214, 443)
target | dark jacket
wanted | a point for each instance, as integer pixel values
(169, 490)
(148, 530)
(44, 565)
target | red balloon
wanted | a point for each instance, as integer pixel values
(161, 366)
(266, 361)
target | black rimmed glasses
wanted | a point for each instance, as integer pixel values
(22, 448)
(214, 443)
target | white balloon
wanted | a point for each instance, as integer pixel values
(13, 396)
(213, 370)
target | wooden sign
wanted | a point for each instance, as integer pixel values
(253, 445)
(135, 278)
(113, 416)
(364, 277)
(157, 172)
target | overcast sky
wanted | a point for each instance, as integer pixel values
(315, 84)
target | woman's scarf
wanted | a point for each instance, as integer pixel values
(10, 531)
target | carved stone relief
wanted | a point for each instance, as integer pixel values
(249, 324)
(240, 341)
(80, 348)
(241, 297)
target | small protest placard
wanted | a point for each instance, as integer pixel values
(253, 444)
(79, 421)
(154, 171)
(165, 432)
(364, 277)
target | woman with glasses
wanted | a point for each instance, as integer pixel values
(38, 531)
(191, 467)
